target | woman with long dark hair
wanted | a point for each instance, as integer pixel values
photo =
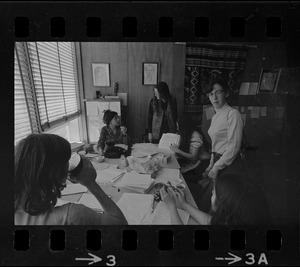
(162, 113)
(41, 171)
(235, 201)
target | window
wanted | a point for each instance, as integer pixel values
(45, 86)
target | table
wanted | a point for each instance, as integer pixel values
(116, 193)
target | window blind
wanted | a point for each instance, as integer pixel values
(45, 85)
(54, 75)
(26, 120)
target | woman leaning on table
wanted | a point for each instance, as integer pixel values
(41, 171)
(162, 113)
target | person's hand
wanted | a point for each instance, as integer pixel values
(150, 137)
(207, 170)
(213, 173)
(174, 148)
(123, 130)
(87, 175)
(178, 196)
(167, 198)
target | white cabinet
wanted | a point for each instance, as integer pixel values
(94, 113)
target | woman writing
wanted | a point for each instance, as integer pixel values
(113, 132)
(192, 153)
(235, 201)
(162, 114)
(41, 171)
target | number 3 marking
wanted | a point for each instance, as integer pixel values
(112, 259)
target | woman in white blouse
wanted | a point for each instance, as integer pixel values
(226, 131)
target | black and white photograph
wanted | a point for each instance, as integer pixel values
(151, 134)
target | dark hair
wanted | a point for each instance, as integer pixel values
(239, 201)
(41, 168)
(186, 127)
(164, 93)
(216, 80)
(108, 116)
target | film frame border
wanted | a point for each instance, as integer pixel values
(111, 30)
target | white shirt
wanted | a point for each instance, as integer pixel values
(226, 132)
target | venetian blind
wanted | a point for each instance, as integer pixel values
(54, 74)
(45, 86)
(26, 119)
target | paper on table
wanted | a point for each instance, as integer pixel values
(244, 89)
(73, 189)
(108, 175)
(143, 150)
(162, 215)
(92, 109)
(135, 179)
(166, 140)
(166, 174)
(135, 207)
(100, 166)
(90, 201)
(209, 112)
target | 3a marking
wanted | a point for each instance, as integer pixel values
(250, 259)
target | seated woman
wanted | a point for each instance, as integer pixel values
(41, 171)
(192, 152)
(235, 201)
(112, 132)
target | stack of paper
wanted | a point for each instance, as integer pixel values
(108, 175)
(143, 150)
(171, 175)
(136, 207)
(90, 201)
(162, 215)
(135, 181)
(166, 140)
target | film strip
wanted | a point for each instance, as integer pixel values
(180, 22)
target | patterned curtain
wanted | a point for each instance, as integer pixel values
(204, 62)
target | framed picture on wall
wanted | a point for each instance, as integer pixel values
(268, 80)
(101, 75)
(150, 73)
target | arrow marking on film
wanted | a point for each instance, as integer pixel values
(232, 260)
(93, 260)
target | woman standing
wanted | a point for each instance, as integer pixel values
(162, 114)
(226, 131)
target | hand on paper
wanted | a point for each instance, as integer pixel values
(167, 198)
(87, 175)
